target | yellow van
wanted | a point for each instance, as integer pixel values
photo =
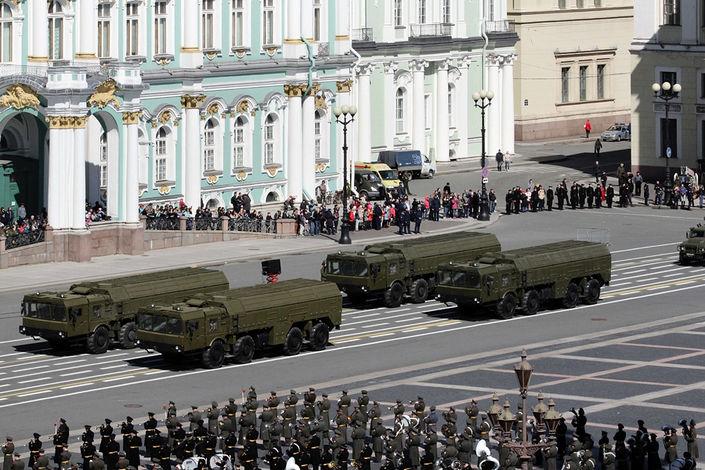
(389, 177)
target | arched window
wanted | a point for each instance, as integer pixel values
(321, 136)
(161, 155)
(400, 113)
(104, 160)
(272, 197)
(451, 105)
(207, 23)
(241, 143)
(56, 30)
(271, 131)
(209, 144)
(5, 33)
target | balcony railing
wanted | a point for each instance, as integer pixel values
(24, 239)
(431, 29)
(363, 34)
(7, 70)
(500, 26)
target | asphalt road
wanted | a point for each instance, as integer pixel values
(650, 318)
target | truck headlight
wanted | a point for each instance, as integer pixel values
(177, 348)
(62, 334)
(138, 342)
(22, 329)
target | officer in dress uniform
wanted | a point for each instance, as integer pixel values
(171, 424)
(414, 445)
(42, 462)
(187, 447)
(323, 406)
(550, 454)
(164, 453)
(34, 446)
(88, 435)
(150, 432)
(127, 427)
(87, 453)
(58, 448)
(378, 432)
(112, 449)
(365, 462)
(230, 409)
(106, 430)
(194, 416)
(132, 451)
(341, 425)
(8, 449)
(213, 415)
(344, 402)
(273, 403)
(178, 436)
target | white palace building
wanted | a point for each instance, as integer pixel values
(135, 101)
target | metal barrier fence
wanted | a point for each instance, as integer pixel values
(162, 223)
(24, 239)
(242, 224)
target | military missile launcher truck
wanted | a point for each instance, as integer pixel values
(528, 278)
(693, 249)
(238, 322)
(98, 313)
(407, 267)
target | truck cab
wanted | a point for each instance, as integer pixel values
(368, 184)
(388, 177)
(359, 273)
(475, 283)
(693, 248)
(408, 160)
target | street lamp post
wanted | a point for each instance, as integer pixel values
(348, 116)
(666, 92)
(483, 99)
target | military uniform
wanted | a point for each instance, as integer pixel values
(431, 445)
(97, 463)
(106, 430)
(472, 411)
(87, 453)
(378, 432)
(122, 462)
(58, 448)
(164, 454)
(414, 455)
(358, 440)
(150, 433)
(230, 409)
(8, 450)
(550, 454)
(194, 417)
(42, 462)
(17, 463)
(34, 446)
(314, 451)
(112, 449)
(88, 435)
(213, 416)
(344, 402)
(230, 446)
(324, 419)
(341, 425)
(133, 450)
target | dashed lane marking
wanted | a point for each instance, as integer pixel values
(34, 393)
(33, 380)
(115, 379)
(376, 325)
(404, 320)
(69, 387)
(80, 372)
(30, 368)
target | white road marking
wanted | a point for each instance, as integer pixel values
(354, 346)
(15, 340)
(620, 279)
(644, 247)
(618, 285)
(33, 380)
(342, 341)
(643, 264)
(408, 319)
(376, 325)
(76, 373)
(115, 379)
(365, 316)
(671, 275)
(383, 318)
(30, 368)
(69, 387)
(34, 393)
(155, 372)
(112, 367)
(381, 335)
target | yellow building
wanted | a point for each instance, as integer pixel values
(573, 64)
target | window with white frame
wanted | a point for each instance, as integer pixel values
(582, 82)
(104, 18)
(451, 105)
(237, 23)
(207, 23)
(320, 127)
(398, 13)
(447, 12)
(565, 84)
(422, 12)
(601, 81)
(209, 143)
(56, 31)
(270, 133)
(672, 12)
(268, 22)
(161, 154)
(103, 160)
(400, 110)
(132, 29)
(240, 142)
(317, 20)
(427, 111)
(160, 26)
(5, 33)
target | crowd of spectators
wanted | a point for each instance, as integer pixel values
(21, 222)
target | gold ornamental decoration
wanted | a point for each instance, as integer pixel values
(104, 95)
(192, 101)
(19, 96)
(241, 175)
(213, 109)
(163, 190)
(272, 171)
(321, 102)
(321, 167)
(243, 107)
(344, 87)
(165, 117)
(212, 179)
(67, 122)
(131, 117)
(291, 89)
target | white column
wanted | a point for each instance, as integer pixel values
(689, 20)
(130, 121)
(343, 98)
(78, 205)
(306, 18)
(418, 136)
(442, 111)
(389, 106)
(493, 126)
(364, 114)
(293, 47)
(87, 31)
(308, 161)
(342, 26)
(191, 55)
(60, 160)
(462, 107)
(40, 36)
(294, 165)
(192, 150)
(508, 104)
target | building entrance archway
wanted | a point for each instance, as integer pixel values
(102, 162)
(23, 150)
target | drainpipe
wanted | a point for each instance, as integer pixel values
(311, 63)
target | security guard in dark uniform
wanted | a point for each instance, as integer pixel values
(34, 445)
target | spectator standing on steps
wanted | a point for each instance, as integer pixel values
(638, 181)
(507, 161)
(499, 157)
(588, 128)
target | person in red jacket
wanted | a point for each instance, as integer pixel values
(588, 128)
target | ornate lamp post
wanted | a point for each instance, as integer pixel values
(483, 99)
(667, 92)
(539, 412)
(494, 411)
(552, 418)
(506, 421)
(348, 116)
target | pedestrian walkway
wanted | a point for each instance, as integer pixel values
(42, 275)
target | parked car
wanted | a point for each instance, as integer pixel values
(617, 132)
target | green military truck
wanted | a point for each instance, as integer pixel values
(99, 313)
(240, 321)
(408, 267)
(693, 249)
(528, 278)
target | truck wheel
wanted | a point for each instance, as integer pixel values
(294, 342)
(532, 302)
(394, 295)
(98, 341)
(572, 296)
(592, 292)
(128, 335)
(419, 291)
(244, 349)
(506, 306)
(213, 357)
(319, 336)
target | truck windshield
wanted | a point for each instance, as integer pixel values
(696, 234)
(159, 324)
(347, 268)
(388, 175)
(458, 279)
(45, 311)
